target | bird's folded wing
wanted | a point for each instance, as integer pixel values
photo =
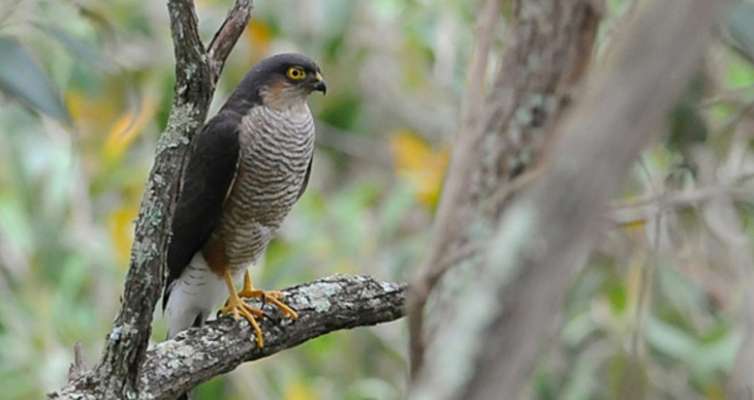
(208, 178)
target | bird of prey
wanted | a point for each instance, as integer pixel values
(248, 165)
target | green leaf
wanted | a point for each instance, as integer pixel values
(741, 29)
(22, 78)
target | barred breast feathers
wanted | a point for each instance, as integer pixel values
(276, 146)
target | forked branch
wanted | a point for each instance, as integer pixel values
(115, 376)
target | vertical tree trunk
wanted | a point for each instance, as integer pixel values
(508, 306)
(549, 46)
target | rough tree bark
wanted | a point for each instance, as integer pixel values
(127, 369)
(549, 46)
(196, 355)
(496, 330)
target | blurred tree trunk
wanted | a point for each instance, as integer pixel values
(496, 311)
(499, 144)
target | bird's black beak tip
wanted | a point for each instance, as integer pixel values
(321, 86)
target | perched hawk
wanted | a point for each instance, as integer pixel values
(248, 166)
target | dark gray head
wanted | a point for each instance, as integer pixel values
(282, 80)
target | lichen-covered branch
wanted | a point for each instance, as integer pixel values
(325, 305)
(194, 356)
(128, 339)
(116, 374)
(192, 72)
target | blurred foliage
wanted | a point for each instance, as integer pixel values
(23, 79)
(85, 88)
(419, 164)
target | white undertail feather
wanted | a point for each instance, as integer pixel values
(195, 294)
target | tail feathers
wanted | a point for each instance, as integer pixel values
(181, 312)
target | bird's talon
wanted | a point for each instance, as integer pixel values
(272, 296)
(255, 311)
(237, 308)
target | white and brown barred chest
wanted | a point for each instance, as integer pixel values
(276, 147)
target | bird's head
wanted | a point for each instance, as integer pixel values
(283, 80)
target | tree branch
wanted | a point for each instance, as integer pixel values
(116, 374)
(642, 209)
(192, 77)
(196, 355)
(225, 37)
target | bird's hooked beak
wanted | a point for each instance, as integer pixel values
(319, 83)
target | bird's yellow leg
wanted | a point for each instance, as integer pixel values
(236, 307)
(272, 296)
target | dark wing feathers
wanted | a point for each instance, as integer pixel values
(208, 177)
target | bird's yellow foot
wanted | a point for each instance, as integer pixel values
(271, 296)
(237, 308)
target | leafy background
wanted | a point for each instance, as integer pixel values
(85, 88)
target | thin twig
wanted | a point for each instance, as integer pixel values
(687, 196)
(78, 368)
(646, 271)
(736, 95)
(638, 210)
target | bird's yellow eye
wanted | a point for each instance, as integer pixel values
(296, 73)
